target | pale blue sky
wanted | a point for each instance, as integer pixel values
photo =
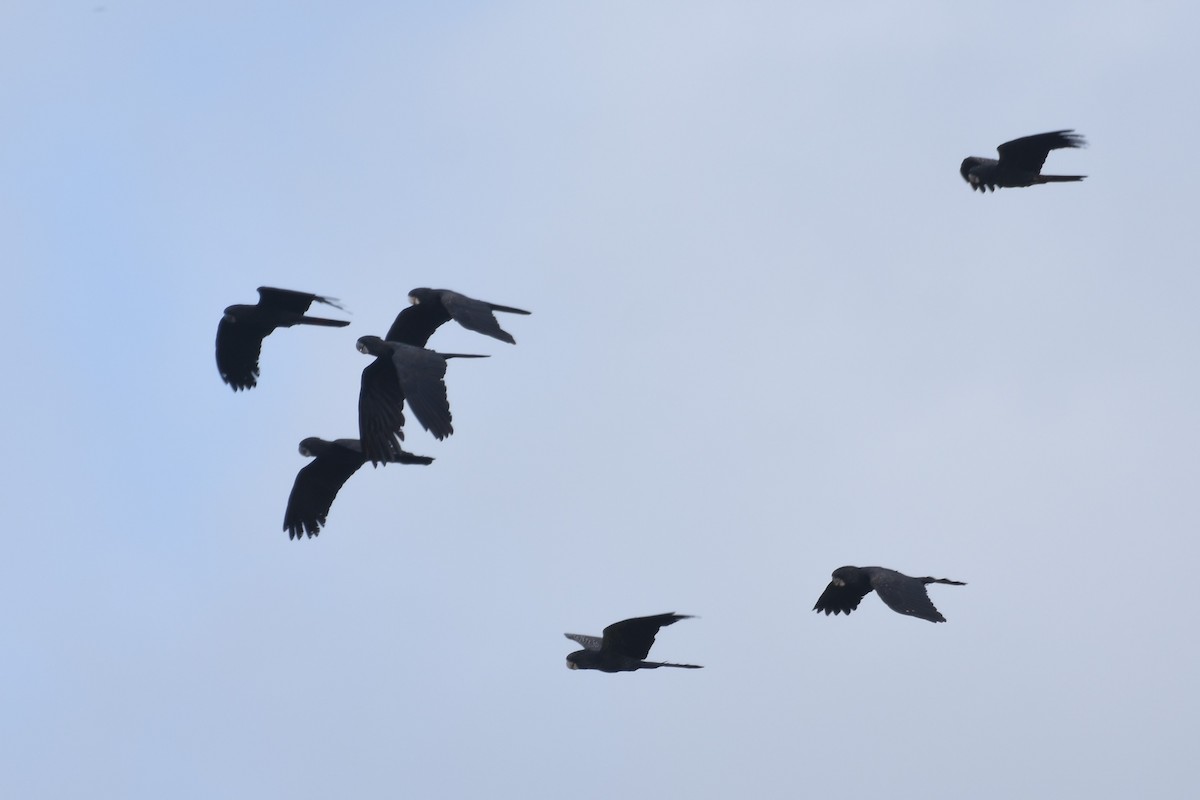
(774, 332)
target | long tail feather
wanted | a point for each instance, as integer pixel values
(509, 309)
(328, 323)
(331, 301)
(1060, 178)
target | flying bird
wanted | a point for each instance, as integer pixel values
(243, 327)
(623, 646)
(401, 372)
(318, 483)
(1020, 162)
(903, 594)
(431, 308)
(381, 396)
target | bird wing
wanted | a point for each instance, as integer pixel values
(288, 300)
(634, 637)
(239, 345)
(415, 324)
(589, 642)
(840, 599)
(1028, 153)
(315, 488)
(420, 374)
(476, 315)
(905, 595)
(380, 411)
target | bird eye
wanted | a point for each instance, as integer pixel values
(362, 348)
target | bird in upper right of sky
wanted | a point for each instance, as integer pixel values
(318, 482)
(241, 331)
(401, 372)
(623, 646)
(902, 593)
(433, 307)
(1020, 162)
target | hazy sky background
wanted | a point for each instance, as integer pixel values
(774, 332)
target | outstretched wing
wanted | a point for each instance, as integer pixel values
(239, 345)
(315, 488)
(589, 642)
(477, 315)
(634, 637)
(840, 598)
(1028, 153)
(415, 324)
(380, 411)
(420, 374)
(905, 595)
(288, 300)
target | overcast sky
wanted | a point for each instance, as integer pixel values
(774, 332)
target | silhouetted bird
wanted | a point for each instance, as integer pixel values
(902, 593)
(242, 329)
(318, 483)
(401, 372)
(1020, 162)
(433, 307)
(381, 397)
(623, 645)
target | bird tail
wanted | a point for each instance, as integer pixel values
(386, 450)
(509, 309)
(330, 301)
(944, 580)
(398, 456)
(668, 664)
(328, 323)
(1060, 178)
(460, 355)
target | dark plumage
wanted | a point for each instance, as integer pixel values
(241, 331)
(401, 372)
(431, 308)
(623, 646)
(382, 394)
(318, 483)
(903, 594)
(1020, 162)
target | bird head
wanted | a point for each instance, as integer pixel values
(369, 344)
(571, 662)
(307, 445)
(844, 575)
(969, 164)
(422, 295)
